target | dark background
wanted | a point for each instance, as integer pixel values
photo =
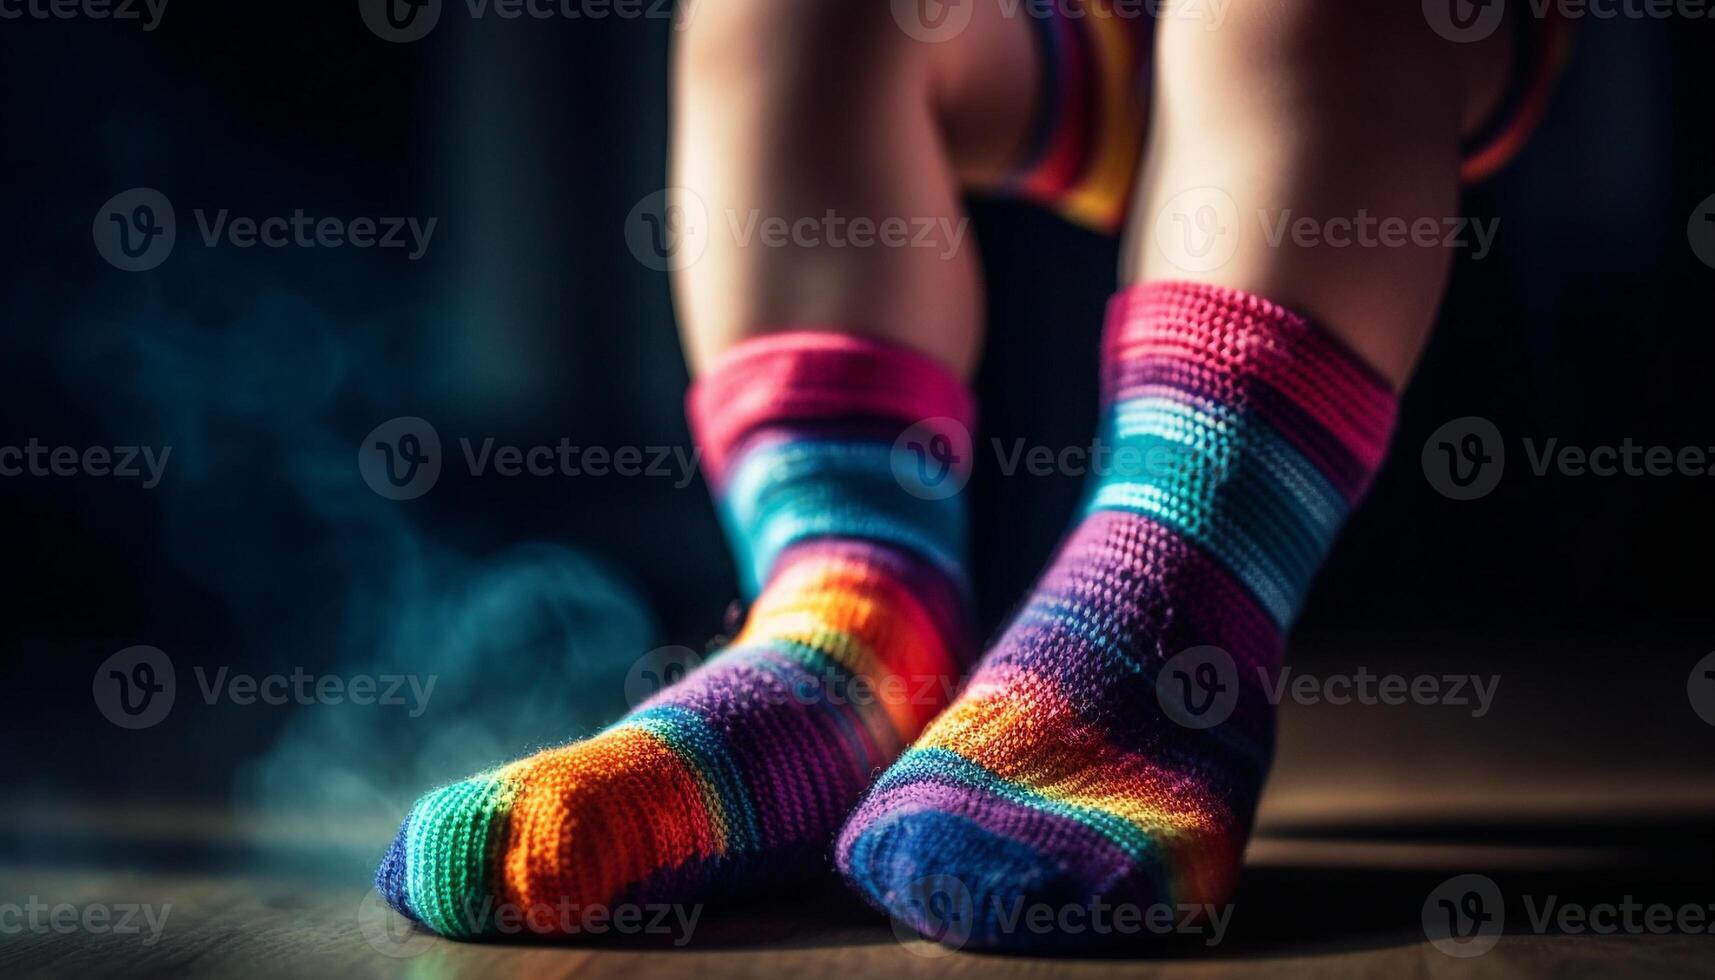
(528, 320)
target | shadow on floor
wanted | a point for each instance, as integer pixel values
(1322, 888)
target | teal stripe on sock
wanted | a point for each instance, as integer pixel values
(782, 494)
(1230, 484)
(449, 868)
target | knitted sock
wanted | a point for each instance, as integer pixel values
(1081, 157)
(740, 773)
(1241, 436)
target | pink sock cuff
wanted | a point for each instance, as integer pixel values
(809, 375)
(1230, 335)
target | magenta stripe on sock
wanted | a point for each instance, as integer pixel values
(1236, 335)
(809, 375)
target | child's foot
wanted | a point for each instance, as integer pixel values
(742, 772)
(1084, 767)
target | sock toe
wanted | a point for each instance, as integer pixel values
(390, 876)
(967, 868)
(733, 776)
(442, 864)
(955, 881)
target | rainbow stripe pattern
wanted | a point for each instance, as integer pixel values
(1081, 156)
(740, 773)
(1242, 435)
(1086, 143)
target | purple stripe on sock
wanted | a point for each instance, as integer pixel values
(787, 733)
(1198, 387)
(1089, 852)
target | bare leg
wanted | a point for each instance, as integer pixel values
(740, 773)
(1112, 745)
(1330, 111)
(801, 109)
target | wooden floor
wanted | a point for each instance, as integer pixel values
(1555, 794)
(1293, 918)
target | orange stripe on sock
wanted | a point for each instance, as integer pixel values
(868, 623)
(1100, 198)
(1020, 727)
(585, 854)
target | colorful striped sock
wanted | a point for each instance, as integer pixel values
(1241, 435)
(1081, 156)
(742, 772)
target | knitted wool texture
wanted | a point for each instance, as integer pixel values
(1242, 435)
(740, 773)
